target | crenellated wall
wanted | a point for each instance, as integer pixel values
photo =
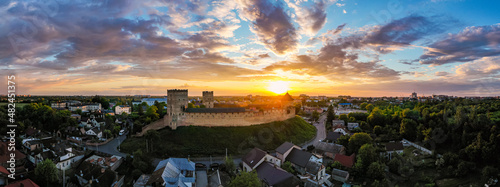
(231, 119)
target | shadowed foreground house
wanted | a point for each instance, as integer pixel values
(173, 172)
(23, 183)
(275, 176)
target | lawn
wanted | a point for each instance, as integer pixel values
(205, 141)
(17, 104)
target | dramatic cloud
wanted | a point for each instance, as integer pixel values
(311, 16)
(470, 44)
(271, 24)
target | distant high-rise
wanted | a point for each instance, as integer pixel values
(414, 95)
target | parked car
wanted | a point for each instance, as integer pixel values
(122, 132)
(200, 165)
(214, 165)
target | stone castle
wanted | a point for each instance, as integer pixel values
(178, 113)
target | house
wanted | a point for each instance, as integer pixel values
(341, 130)
(142, 180)
(96, 131)
(340, 175)
(19, 160)
(329, 150)
(255, 157)
(338, 123)
(4, 175)
(352, 126)
(393, 147)
(347, 161)
(23, 183)
(309, 167)
(284, 149)
(111, 162)
(174, 172)
(120, 109)
(78, 117)
(89, 174)
(152, 101)
(310, 110)
(275, 176)
(333, 136)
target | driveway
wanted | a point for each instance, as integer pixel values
(111, 147)
(201, 179)
(320, 131)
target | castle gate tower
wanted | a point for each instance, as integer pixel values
(177, 101)
(208, 99)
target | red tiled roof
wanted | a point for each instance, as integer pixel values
(25, 182)
(5, 153)
(346, 161)
(3, 170)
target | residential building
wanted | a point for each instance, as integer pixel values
(275, 176)
(91, 174)
(151, 101)
(340, 175)
(284, 149)
(393, 147)
(338, 123)
(174, 172)
(329, 150)
(23, 183)
(257, 156)
(309, 167)
(352, 126)
(347, 161)
(120, 109)
(333, 136)
(111, 162)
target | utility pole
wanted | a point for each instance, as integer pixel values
(64, 177)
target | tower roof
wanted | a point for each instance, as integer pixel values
(287, 97)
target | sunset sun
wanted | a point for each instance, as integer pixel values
(278, 87)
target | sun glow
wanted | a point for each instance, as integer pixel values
(278, 87)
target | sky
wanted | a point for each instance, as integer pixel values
(239, 47)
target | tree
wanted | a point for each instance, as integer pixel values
(247, 179)
(369, 107)
(376, 170)
(368, 154)
(408, 129)
(151, 137)
(343, 140)
(489, 171)
(190, 105)
(315, 115)
(151, 113)
(376, 118)
(357, 140)
(310, 148)
(377, 130)
(230, 166)
(47, 171)
(344, 117)
(287, 166)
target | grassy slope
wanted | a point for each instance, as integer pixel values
(205, 141)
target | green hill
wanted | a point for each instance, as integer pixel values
(205, 141)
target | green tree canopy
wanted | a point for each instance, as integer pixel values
(247, 179)
(357, 140)
(47, 171)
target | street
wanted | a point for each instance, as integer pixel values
(111, 147)
(320, 131)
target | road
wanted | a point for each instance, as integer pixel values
(111, 147)
(320, 131)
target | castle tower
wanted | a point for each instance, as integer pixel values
(287, 100)
(177, 101)
(208, 99)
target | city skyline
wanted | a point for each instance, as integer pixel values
(356, 48)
